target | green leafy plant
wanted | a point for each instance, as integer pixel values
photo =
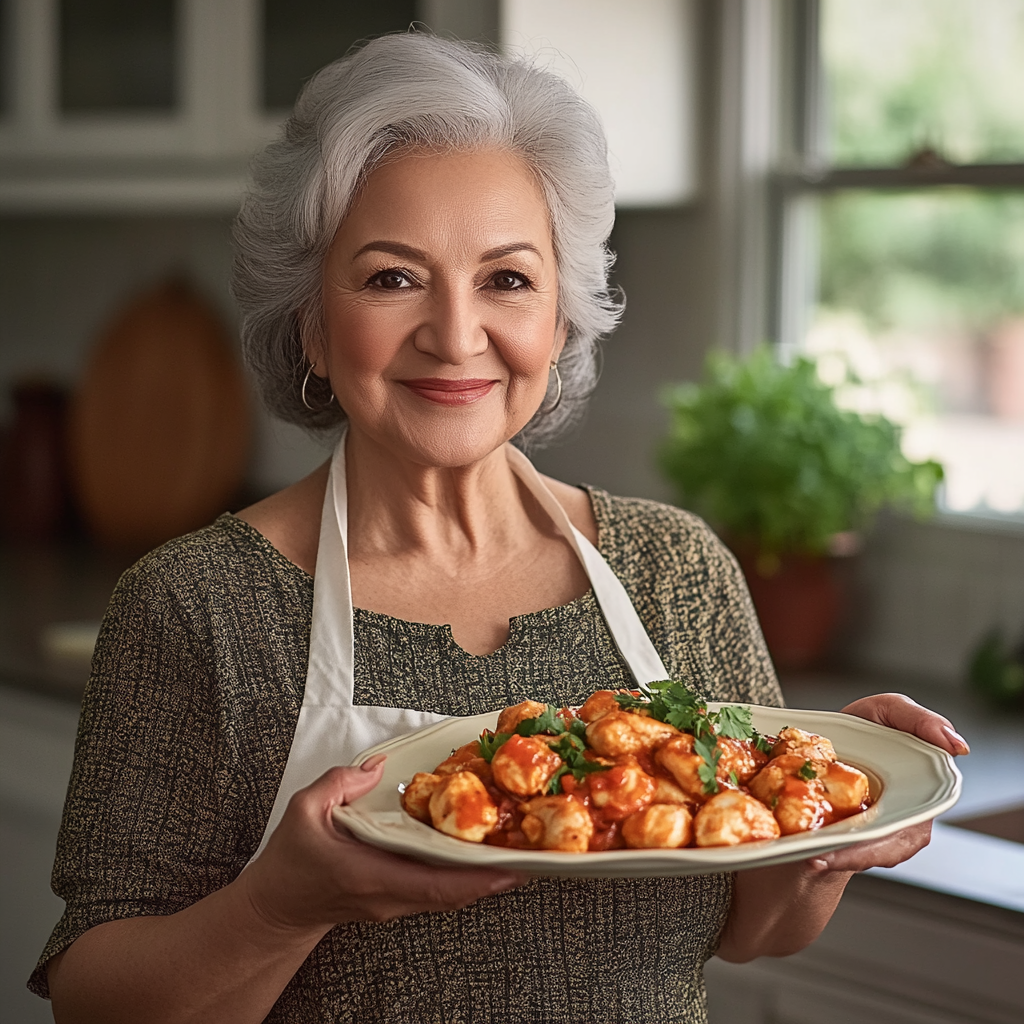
(762, 451)
(996, 671)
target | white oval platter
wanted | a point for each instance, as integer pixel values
(911, 781)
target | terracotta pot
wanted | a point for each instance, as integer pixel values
(799, 603)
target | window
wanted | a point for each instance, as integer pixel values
(902, 228)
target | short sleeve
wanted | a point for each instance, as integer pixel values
(139, 834)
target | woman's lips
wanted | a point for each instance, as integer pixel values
(446, 391)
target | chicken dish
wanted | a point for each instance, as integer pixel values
(645, 769)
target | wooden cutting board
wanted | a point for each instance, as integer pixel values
(160, 426)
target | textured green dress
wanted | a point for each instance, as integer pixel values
(187, 721)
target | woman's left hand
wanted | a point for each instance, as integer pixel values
(780, 910)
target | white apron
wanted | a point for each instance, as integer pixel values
(331, 730)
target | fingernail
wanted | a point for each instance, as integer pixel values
(371, 762)
(958, 740)
(819, 864)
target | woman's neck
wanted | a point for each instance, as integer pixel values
(400, 507)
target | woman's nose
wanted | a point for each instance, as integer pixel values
(452, 329)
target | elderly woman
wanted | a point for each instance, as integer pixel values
(422, 265)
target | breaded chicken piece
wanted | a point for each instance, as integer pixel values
(557, 823)
(417, 794)
(808, 745)
(460, 806)
(731, 818)
(511, 717)
(524, 765)
(846, 787)
(621, 791)
(619, 732)
(599, 704)
(658, 827)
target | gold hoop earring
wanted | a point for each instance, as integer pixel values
(305, 401)
(558, 383)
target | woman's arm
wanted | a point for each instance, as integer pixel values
(228, 957)
(780, 910)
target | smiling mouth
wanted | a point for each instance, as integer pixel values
(446, 391)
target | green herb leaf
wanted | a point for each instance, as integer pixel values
(549, 721)
(762, 743)
(710, 754)
(734, 779)
(807, 771)
(571, 750)
(490, 742)
(734, 722)
(555, 785)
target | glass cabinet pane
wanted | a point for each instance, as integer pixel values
(118, 55)
(941, 75)
(301, 36)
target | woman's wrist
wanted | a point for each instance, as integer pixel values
(267, 925)
(778, 911)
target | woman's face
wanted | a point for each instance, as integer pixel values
(440, 303)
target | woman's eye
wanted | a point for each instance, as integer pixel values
(507, 281)
(391, 280)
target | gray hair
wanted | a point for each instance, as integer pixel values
(408, 91)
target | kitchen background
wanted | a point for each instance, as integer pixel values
(125, 129)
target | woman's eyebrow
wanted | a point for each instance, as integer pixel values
(409, 252)
(507, 250)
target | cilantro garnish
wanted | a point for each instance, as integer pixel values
(670, 702)
(734, 779)
(762, 743)
(807, 771)
(571, 749)
(549, 720)
(570, 746)
(710, 754)
(735, 723)
(490, 742)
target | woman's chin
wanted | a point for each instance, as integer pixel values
(446, 442)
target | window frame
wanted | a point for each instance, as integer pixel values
(803, 173)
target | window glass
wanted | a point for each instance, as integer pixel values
(902, 77)
(921, 294)
(301, 36)
(117, 55)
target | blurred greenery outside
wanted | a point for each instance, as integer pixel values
(921, 293)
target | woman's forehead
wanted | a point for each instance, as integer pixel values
(483, 199)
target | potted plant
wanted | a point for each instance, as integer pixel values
(764, 453)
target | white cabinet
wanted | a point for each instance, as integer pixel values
(185, 148)
(191, 157)
(188, 155)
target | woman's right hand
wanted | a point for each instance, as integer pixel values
(312, 874)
